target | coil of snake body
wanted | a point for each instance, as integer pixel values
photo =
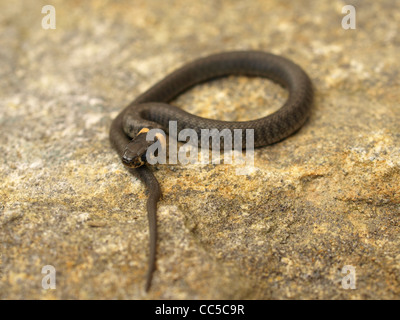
(151, 110)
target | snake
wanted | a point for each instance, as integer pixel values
(152, 109)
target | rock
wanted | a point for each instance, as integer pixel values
(324, 198)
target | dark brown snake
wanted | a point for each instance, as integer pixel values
(150, 110)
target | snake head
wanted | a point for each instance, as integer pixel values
(135, 151)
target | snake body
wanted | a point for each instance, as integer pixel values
(151, 109)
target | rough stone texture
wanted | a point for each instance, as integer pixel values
(324, 198)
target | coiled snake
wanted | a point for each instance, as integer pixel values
(150, 110)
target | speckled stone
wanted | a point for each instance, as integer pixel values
(324, 198)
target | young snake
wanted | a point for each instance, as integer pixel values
(150, 110)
